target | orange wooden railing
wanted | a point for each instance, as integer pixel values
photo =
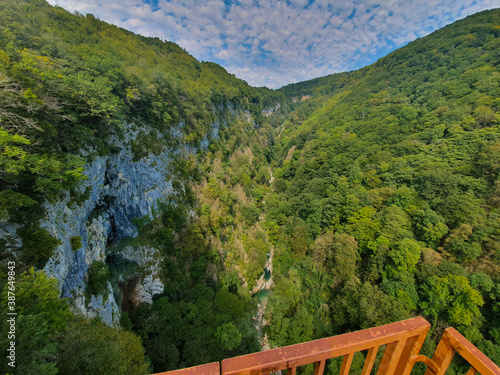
(453, 342)
(402, 340)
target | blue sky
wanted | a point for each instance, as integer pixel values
(276, 42)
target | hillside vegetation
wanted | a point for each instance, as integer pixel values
(69, 83)
(376, 191)
(386, 198)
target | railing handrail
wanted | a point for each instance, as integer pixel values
(453, 342)
(290, 357)
(403, 341)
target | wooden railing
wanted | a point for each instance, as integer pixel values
(453, 342)
(402, 341)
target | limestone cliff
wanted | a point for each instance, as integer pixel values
(120, 190)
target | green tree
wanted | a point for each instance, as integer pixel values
(450, 298)
(298, 240)
(431, 227)
(229, 337)
(343, 255)
(38, 245)
(33, 344)
(94, 348)
(98, 277)
(404, 258)
(460, 243)
(37, 294)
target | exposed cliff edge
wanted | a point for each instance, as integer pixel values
(120, 190)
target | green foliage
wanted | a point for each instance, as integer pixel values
(75, 242)
(365, 305)
(37, 293)
(451, 298)
(229, 336)
(41, 314)
(250, 214)
(35, 347)
(342, 256)
(459, 243)
(98, 276)
(390, 172)
(430, 227)
(229, 304)
(69, 83)
(38, 244)
(384, 203)
(404, 258)
(53, 341)
(141, 222)
(94, 348)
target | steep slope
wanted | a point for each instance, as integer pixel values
(385, 202)
(101, 112)
(102, 132)
(155, 188)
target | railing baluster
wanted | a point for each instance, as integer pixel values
(442, 357)
(319, 367)
(411, 350)
(402, 341)
(319, 351)
(391, 357)
(346, 364)
(389, 349)
(469, 352)
(370, 360)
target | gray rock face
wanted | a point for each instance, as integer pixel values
(120, 190)
(148, 259)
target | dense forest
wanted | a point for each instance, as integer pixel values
(372, 196)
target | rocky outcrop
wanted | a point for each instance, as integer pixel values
(148, 258)
(121, 190)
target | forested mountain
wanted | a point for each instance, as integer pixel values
(156, 189)
(386, 195)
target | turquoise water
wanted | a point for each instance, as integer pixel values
(261, 295)
(267, 274)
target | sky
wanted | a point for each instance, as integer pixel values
(276, 42)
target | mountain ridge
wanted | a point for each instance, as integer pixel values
(146, 180)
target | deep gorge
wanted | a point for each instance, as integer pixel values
(141, 201)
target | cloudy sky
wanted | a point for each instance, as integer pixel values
(276, 42)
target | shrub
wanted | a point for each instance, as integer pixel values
(98, 277)
(76, 242)
(38, 245)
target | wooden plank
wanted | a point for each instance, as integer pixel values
(470, 353)
(406, 354)
(396, 357)
(346, 364)
(386, 359)
(411, 350)
(442, 357)
(323, 349)
(370, 360)
(319, 367)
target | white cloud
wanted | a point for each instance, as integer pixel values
(278, 41)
